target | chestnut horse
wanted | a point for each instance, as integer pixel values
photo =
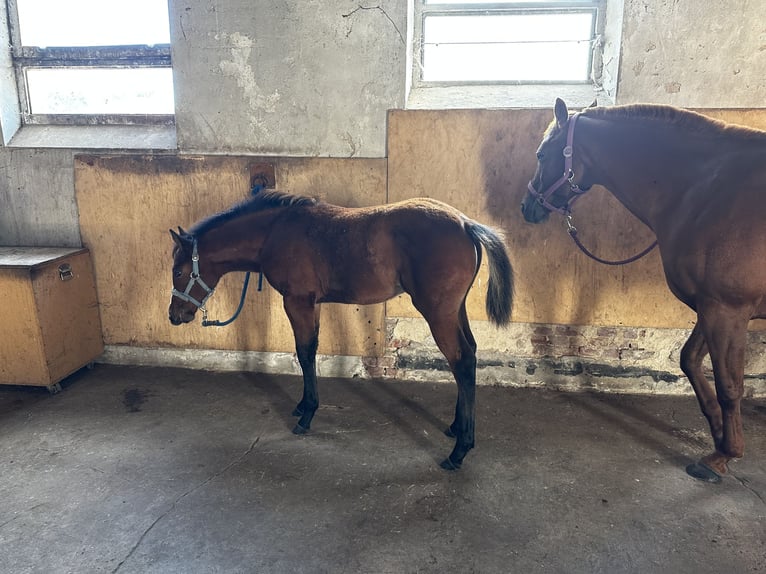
(700, 185)
(313, 252)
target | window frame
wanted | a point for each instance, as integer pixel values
(424, 9)
(72, 57)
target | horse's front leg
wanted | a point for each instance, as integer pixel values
(304, 318)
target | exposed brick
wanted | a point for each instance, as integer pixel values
(606, 332)
(567, 330)
(399, 343)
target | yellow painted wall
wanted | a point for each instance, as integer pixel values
(128, 203)
(477, 160)
(480, 161)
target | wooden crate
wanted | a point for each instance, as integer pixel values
(50, 326)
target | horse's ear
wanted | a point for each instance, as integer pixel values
(182, 239)
(593, 104)
(561, 112)
(176, 237)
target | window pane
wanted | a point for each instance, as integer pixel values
(101, 90)
(46, 23)
(507, 47)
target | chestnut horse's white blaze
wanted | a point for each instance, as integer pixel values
(700, 185)
(313, 252)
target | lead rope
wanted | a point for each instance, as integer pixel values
(206, 323)
(572, 230)
(257, 187)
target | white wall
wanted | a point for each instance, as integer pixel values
(311, 78)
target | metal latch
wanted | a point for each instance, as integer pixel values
(65, 272)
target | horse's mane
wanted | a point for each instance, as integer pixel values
(685, 119)
(261, 201)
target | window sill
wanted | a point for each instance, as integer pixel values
(96, 137)
(503, 96)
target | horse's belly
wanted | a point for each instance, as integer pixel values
(358, 291)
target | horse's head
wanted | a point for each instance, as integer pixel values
(553, 187)
(190, 290)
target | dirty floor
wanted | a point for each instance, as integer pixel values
(155, 470)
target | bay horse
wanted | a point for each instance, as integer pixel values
(700, 185)
(313, 252)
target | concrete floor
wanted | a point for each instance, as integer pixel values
(142, 470)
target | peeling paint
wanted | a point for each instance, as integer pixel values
(239, 68)
(672, 87)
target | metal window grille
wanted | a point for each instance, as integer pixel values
(505, 42)
(92, 80)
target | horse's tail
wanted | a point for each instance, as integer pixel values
(500, 287)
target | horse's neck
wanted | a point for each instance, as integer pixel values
(645, 169)
(235, 245)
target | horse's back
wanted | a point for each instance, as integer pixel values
(370, 254)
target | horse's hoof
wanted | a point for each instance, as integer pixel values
(702, 471)
(447, 464)
(298, 429)
(449, 432)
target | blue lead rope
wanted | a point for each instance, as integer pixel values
(241, 302)
(257, 187)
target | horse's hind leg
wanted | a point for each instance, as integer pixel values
(304, 318)
(725, 331)
(451, 431)
(693, 352)
(459, 348)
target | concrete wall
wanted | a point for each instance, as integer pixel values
(316, 78)
(37, 204)
(9, 104)
(311, 78)
(693, 54)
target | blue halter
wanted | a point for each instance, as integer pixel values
(195, 279)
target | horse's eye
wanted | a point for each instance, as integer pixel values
(177, 273)
(540, 156)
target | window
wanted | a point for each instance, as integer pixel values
(505, 42)
(92, 61)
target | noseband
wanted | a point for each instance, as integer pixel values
(195, 279)
(568, 177)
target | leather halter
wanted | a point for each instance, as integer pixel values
(567, 177)
(566, 209)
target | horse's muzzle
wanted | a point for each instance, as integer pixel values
(181, 316)
(532, 211)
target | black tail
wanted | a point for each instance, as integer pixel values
(500, 287)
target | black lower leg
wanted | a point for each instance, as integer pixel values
(452, 430)
(463, 427)
(310, 401)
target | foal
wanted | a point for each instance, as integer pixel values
(313, 252)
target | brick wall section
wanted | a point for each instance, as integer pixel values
(610, 358)
(603, 343)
